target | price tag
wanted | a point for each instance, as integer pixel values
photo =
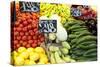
(75, 12)
(48, 26)
(29, 6)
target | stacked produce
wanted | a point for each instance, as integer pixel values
(26, 39)
(75, 39)
(63, 10)
(60, 54)
(25, 30)
(83, 43)
(29, 56)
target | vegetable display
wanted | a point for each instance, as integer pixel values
(51, 33)
(25, 30)
(83, 43)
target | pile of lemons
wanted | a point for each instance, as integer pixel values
(29, 56)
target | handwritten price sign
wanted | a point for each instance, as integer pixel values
(29, 6)
(48, 26)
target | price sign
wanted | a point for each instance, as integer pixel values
(75, 12)
(48, 26)
(29, 6)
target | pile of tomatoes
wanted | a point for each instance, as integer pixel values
(25, 32)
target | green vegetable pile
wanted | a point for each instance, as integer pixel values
(60, 54)
(83, 43)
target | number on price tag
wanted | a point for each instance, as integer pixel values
(29, 6)
(75, 12)
(48, 26)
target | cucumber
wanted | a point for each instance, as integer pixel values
(79, 52)
(79, 30)
(89, 46)
(74, 41)
(87, 38)
(69, 24)
(94, 54)
(82, 59)
(72, 36)
(74, 27)
(89, 52)
(87, 42)
(83, 34)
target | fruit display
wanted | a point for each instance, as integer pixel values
(29, 56)
(52, 33)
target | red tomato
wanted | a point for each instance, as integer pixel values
(35, 41)
(32, 33)
(24, 37)
(18, 45)
(26, 33)
(24, 43)
(23, 19)
(34, 25)
(30, 41)
(28, 45)
(25, 23)
(14, 29)
(15, 41)
(20, 41)
(21, 33)
(19, 29)
(29, 37)
(25, 29)
(29, 20)
(39, 43)
(29, 26)
(34, 45)
(34, 37)
(17, 23)
(18, 37)
(16, 33)
(21, 25)
(41, 39)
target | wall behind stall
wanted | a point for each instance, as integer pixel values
(5, 32)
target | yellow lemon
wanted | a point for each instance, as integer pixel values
(42, 55)
(40, 63)
(45, 60)
(21, 49)
(19, 61)
(30, 49)
(39, 50)
(26, 62)
(31, 62)
(14, 53)
(34, 56)
(24, 54)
